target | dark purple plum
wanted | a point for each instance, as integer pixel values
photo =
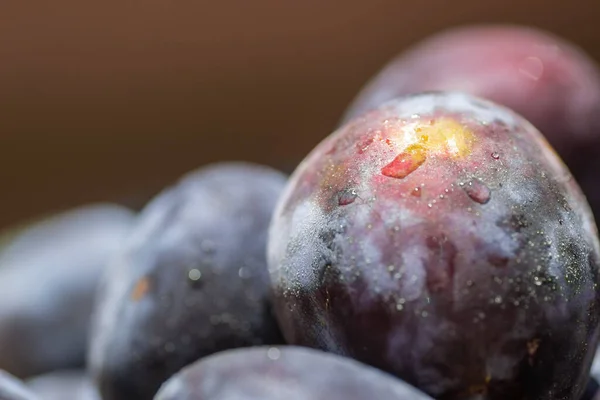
(63, 385)
(191, 280)
(283, 373)
(11, 388)
(551, 82)
(48, 276)
(441, 239)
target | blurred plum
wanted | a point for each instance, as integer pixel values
(11, 388)
(283, 373)
(548, 80)
(48, 274)
(63, 385)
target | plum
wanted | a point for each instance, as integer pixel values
(61, 385)
(48, 274)
(283, 373)
(548, 80)
(191, 280)
(441, 239)
(11, 388)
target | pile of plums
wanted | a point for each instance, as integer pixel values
(434, 246)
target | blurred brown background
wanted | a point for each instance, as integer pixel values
(114, 99)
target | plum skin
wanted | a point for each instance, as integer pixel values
(286, 372)
(63, 384)
(190, 280)
(49, 271)
(473, 275)
(11, 388)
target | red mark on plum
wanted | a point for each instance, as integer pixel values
(405, 163)
(363, 144)
(440, 266)
(477, 191)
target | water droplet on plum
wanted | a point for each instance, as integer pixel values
(477, 191)
(346, 197)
